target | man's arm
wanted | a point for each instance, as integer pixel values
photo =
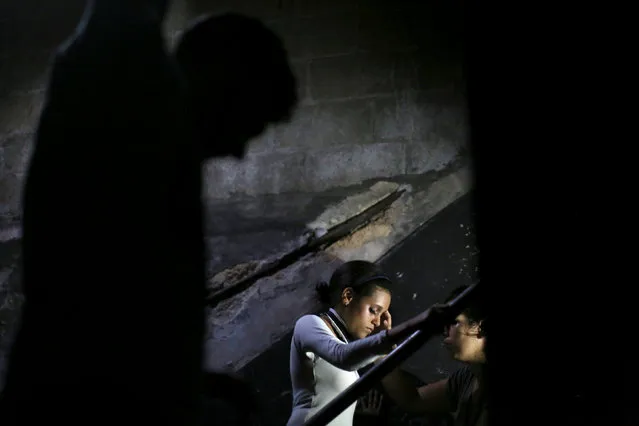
(432, 398)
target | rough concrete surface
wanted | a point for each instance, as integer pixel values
(10, 296)
(403, 217)
(353, 205)
(332, 216)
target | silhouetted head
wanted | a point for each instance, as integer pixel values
(466, 337)
(360, 292)
(239, 79)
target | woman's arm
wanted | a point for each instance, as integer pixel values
(312, 335)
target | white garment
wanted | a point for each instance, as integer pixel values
(322, 367)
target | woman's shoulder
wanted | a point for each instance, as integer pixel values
(309, 320)
(310, 323)
(311, 328)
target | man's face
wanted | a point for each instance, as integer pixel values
(464, 341)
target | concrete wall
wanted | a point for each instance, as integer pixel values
(379, 85)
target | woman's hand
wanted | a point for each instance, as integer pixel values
(386, 321)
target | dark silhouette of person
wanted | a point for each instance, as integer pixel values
(113, 255)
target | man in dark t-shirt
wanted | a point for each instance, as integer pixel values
(467, 398)
(463, 393)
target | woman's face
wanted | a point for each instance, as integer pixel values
(363, 314)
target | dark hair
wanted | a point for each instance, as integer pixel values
(360, 275)
(476, 311)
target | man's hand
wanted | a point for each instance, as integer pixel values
(438, 312)
(371, 403)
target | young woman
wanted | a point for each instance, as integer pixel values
(328, 349)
